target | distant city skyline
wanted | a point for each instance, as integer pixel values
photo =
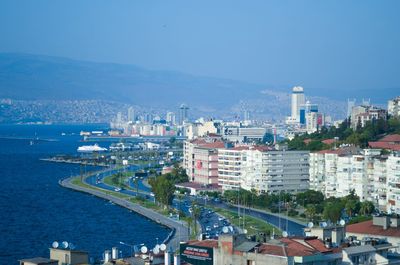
(352, 45)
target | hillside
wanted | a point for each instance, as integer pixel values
(33, 77)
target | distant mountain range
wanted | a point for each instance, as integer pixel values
(34, 77)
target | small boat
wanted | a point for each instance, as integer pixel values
(117, 189)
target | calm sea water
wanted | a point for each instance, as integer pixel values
(35, 210)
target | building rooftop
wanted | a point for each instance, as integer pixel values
(204, 243)
(39, 260)
(283, 247)
(359, 249)
(350, 150)
(369, 228)
(198, 186)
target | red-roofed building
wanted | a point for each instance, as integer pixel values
(389, 142)
(236, 249)
(329, 141)
(380, 226)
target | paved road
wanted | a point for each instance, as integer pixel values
(211, 223)
(179, 230)
(293, 228)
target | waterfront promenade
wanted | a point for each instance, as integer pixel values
(179, 231)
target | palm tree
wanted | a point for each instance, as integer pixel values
(196, 214)
(310, 212)
(367, 208)
(351, 207)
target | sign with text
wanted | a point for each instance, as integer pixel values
(196, 255)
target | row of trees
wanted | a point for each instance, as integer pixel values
(315, 206)
(360, 136)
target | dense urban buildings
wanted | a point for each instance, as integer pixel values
(360, 115)
(371, 174)
(304, 114)
(394, 107)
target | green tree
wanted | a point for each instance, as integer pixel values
(333, 211)
(196, 211)
(163, 189)
(367, 208)
(351, 207)
(310, 212)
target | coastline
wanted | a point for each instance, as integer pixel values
(179, 231)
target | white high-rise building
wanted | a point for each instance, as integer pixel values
(350, 105)
(394, 107)
(373, 177)
(171, 118)
(298, 99)
(263, 169)
(393, 183)
(131, 115)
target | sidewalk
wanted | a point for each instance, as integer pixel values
(179, 231)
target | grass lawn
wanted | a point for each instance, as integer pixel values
(252, 225)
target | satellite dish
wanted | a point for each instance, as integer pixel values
(324, 224)
(55, 244)
(163, 247)
(71, 246)
(342, 222)
(225, 229)
(245, 231)
(310, 225)
(285, 234)
(231, 228)
(143, 250)
(64, 244)
(156, 250)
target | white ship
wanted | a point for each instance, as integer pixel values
(91, 148)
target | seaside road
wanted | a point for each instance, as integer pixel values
(179, 231)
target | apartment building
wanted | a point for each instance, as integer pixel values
(200, 159)
(362, 114)
(263, 169)
(393, 183)
(371, 175)
(394, 107)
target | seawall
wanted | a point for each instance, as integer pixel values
(179, 231)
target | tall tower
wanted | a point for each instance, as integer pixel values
(350, 105)
(131, 115)
(298, 100)
(171, 118)
(183, 113)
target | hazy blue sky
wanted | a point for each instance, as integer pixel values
(327, 44)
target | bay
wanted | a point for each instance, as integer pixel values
(35, 210)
